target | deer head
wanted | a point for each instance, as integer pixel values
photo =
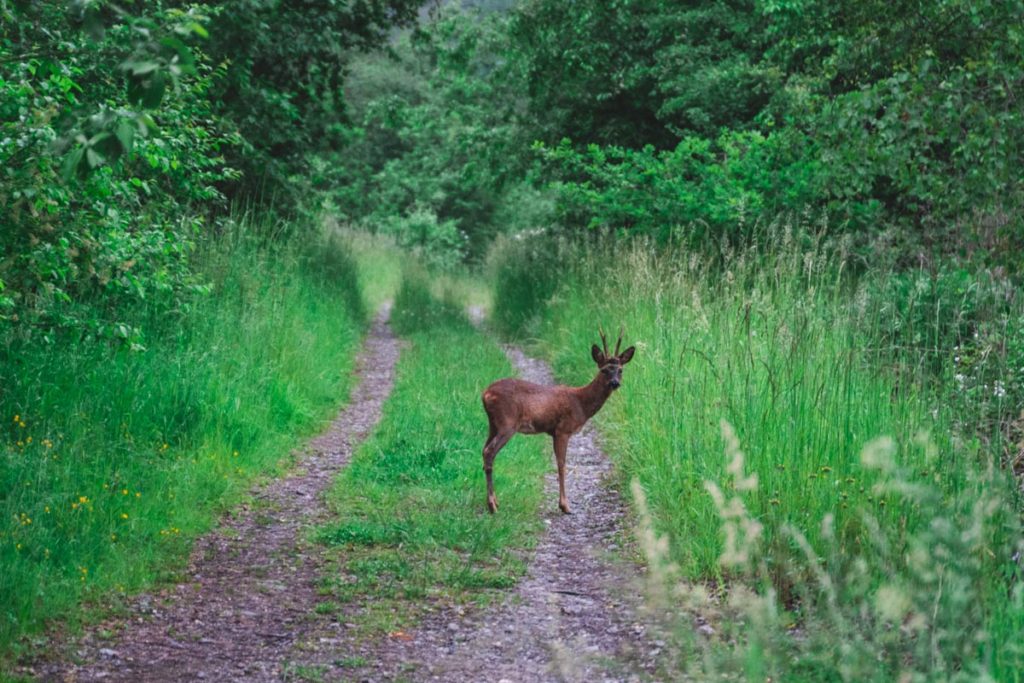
(610, 364)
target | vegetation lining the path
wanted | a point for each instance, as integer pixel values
(907, 556)
(413, 525)
(115, 456)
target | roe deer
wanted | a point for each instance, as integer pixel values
(517, 406)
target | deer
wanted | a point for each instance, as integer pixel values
(516, 406)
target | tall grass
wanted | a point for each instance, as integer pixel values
(412, 524)
(797, 358)
(113, 457)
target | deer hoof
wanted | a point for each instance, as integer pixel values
(492, 505)
(565, 508)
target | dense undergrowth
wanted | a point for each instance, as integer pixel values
(115, 455)
(412, 525)
(807, 366)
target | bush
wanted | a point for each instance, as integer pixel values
(702, 190)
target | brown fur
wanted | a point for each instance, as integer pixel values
(517, 406)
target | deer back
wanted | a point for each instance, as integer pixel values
(531, 408)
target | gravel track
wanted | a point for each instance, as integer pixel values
(251, 587)
(571, 618)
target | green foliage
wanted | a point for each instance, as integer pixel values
(873, 111)
(412, 520)
(635, 72)
(701, 190)
(961, 328)
(935, 616)
(122, 129)
(102, 203)
(808, 368)
(418, 310)
(776, 345)
(285, 64)
(434, 143)
(525, 269)
(112, 460)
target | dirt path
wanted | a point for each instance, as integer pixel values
(252, 582)
(572, 618)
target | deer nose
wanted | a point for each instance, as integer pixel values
(615, 383)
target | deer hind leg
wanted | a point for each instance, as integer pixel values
(561, 445)
(495, 442)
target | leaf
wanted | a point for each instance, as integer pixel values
(199, 29)
(154, 93)
(93, 157)
(71, 163)
(125, 132)
(185, 58)
(141, 68)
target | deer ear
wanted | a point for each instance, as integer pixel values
(597, 355)
(627, 355)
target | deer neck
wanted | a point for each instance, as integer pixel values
(593, 395)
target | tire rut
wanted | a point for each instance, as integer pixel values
(573, 617)
(251, 587)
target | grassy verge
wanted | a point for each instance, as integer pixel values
(413, 526)
(112, 459)
(787, 353)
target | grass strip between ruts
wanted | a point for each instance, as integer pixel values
(413, 525)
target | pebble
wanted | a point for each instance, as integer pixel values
(108, 653)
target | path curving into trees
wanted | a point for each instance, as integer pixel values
(250, 591)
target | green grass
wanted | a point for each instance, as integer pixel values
(780, 359)
(787, 352)
(112, 460)
(413, 526)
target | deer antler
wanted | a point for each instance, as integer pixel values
(604, 341)
(619, 343)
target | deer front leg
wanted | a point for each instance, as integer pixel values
(561, 445)
(495, 443)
